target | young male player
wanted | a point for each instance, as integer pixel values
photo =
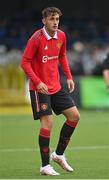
(45, 49)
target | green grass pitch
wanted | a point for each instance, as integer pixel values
(87, 153)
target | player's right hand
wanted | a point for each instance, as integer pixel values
(42, 88)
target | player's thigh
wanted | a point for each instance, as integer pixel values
(61, 101)
(72, 113)
(41, 104)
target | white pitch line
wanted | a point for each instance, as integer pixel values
(69, 149)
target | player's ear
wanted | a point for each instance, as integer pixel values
(43, 21)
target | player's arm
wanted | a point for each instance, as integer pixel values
(27, 57)
(65, 67)
(26, 60)
(106, 78)
(105, 71)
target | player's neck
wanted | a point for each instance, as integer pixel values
(51, 33)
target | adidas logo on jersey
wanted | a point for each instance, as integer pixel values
(46, 47)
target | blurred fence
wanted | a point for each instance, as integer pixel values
(93, 93)
(90, 91)
(12, 85)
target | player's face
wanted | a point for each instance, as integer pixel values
(51, 23)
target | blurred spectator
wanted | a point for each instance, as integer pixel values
(87, 40)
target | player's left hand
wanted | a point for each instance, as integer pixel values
(71, 85)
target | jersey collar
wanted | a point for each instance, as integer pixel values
(48, 37)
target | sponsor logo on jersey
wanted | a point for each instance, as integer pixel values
(46, 58)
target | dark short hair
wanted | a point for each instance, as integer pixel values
(51, 10)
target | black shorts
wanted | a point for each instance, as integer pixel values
(43, 104)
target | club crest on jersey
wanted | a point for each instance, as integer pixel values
(59, 45)
(44, 106)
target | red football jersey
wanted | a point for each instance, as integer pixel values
(41, 57)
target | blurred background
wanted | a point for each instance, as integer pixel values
(86, 24)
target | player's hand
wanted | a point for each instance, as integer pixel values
(70, 85)
(42, 88)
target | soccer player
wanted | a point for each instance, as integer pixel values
(106, 72)
(45, 49)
